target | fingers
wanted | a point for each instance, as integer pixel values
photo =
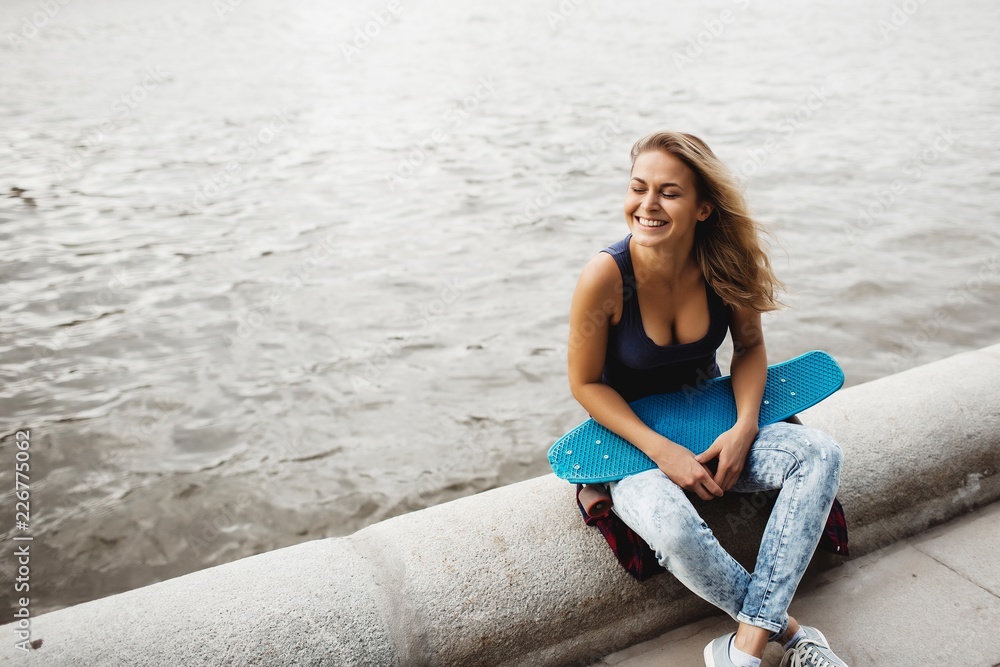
(690, 473)
(709, 453)
(707, 488)
(702, 485)
(727, 475)
(722, 476)
(701, 492)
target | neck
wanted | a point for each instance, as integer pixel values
(666, 263)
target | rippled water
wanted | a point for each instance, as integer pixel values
(264, 283)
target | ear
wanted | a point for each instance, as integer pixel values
(706, 210)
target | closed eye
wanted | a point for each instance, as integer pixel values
(668, 195)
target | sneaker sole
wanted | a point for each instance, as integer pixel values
(709, 660)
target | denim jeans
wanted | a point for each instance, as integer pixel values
(803, 463)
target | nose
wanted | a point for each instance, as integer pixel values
(651, 202)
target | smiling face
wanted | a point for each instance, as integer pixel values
(662, 205)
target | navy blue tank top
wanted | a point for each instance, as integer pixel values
(634, 365)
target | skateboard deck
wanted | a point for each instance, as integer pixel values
(693, 417)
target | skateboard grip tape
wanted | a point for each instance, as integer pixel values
(596, 500)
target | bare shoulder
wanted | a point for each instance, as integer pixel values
(601, 274)
(600, 283)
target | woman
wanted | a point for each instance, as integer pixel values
(647, 316)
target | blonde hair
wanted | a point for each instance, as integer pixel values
(728, 243)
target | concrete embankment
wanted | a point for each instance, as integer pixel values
(512, 576)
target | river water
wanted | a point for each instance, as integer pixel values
(276, 271)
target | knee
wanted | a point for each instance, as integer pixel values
(659, 512)
(679, 535)
(825, 452)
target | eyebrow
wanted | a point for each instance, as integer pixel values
(665, 185)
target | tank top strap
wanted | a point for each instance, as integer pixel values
(623, 258)
(715, 302)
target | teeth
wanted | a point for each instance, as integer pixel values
(645, 222)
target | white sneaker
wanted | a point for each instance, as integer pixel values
(717, 652)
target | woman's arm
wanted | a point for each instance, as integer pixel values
(590, 314)
(749, 375)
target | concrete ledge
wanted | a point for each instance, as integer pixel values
(512, 576)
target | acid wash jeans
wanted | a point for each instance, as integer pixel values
(803, 463)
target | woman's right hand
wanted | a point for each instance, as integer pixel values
(684, 470)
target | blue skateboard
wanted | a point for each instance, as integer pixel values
(693, 417)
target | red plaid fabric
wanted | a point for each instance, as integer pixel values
(640, 561)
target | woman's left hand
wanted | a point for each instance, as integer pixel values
(731, 448)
